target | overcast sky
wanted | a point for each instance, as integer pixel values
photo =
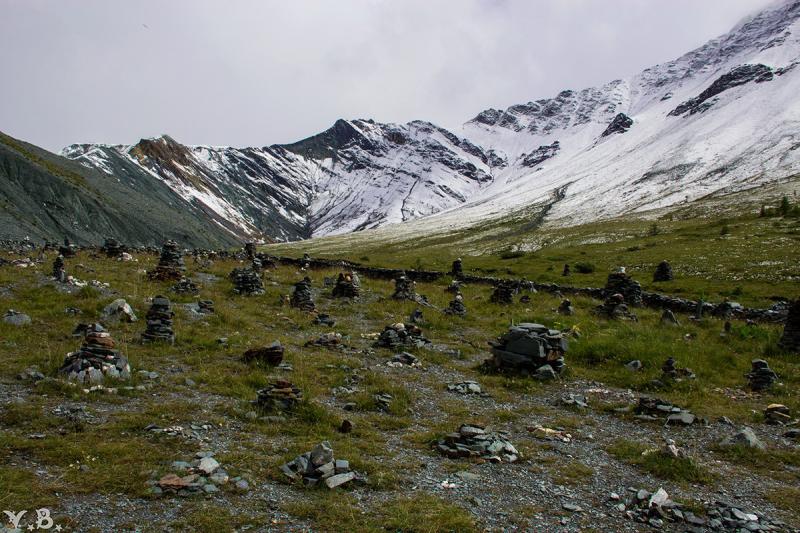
(252, 73)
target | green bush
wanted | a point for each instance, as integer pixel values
(584, 267)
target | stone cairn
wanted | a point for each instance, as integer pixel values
(185, 286)
(405, 288)
(170, 264)
(96, 359)
(566, 272)
(456, 306)
(246, 282)
(279, 395)
(531, 349)
(503, 293)
(205, 307)
(319, 465)
(59, 271)
(458, 268)
(67, 249)
(112, 248)
(761, 376)
(565, 308)
(250, 250)
(615, 308)
(454, 287)
(474, 441)
(654, 409)
(671, 372)
(302, 298)
(271, 355)
(790, 340)
(621, 283)
(663, 272)
(347, 285)
(401, 335)
(159, 321)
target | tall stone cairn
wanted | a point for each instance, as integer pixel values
(404, 288)
(170, 264)
(503, 293)
(112, 248)
(663, 272)
(347, 285)
(246, 282)
(96, 359)
(250, 250)
(59, 271)
(456, 306)
(159, 322)
(458, 268)
(621, 283)
(790, 340)
(302, 298)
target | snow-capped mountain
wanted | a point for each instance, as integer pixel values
(723, 117)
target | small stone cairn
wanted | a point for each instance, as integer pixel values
(503, 293)
(615, 308)
(654, 409)
(279, 395)
(405, 288)
(565, 308)
(566, 272)
(67, 249)
(456, 306)
(159, 322)
(112, 248)
(185, 286)
(472, 440)
(59, 271)
(663, 272)
(621, 283)
(790, 340)
(246, 282)
(250, 250)
(670, 372)
(271, 355)
(401, 335)
(529, 348)
(454, 287)
(302, 298)
(319, 465)
(170, 264)
(761, 376)
(457, 269)
(205, 307)
(347, 285)
(96, 359)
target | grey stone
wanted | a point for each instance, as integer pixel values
(744, 437)
(339, 479)
(321, 454)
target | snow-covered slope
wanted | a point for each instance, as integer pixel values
(723, 117)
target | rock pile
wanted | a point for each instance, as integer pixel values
(347, 285)
(653, 409)
(456, 306)
(185, 286)
(59, 271)
(330, 340)
(250, 250)
(96, 359)
(670, 372)
(271, 355)
(621, 283)
(790, 340)
(565, 308)
(503, 293)
(457, 269)
(320, 465)
(404, 359)
(566, 272)
(663, 272)
(159, 321)
(465, 387)
(401, 335)
(279, 395)
(323, 319)
(302, 298)
(246, 282)
(170, 263)
(405, 288)
(112, 248)
(67, 249)
(474, 441)
(777, 414)
(454, 287)
(530, 348)
(615, 308)
(203, 475)
(761, 376)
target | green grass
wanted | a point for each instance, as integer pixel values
(659, 463)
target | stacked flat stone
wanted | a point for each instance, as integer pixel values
(790, 340)
(347, 286)
(456, 306)
(279, 395)
(474, 441)
(401, 335)
(246, 281)
(266, 261)
(112, 248)
(185, 286)
(250, 250)
(454, 287)
(663, 272)
(621, 283)
(67, 249)
(654, 409)
(205, 307)
(503, 293)
(671, 372)
(59, 271)
(271, 355)
(96, 359)
(530, 348)
(761, 376)
(405, 288)
(170, 263)
(302, 297)
(614, 307)
(565, 308)
(458, 268)
(319, 465)
(159, 321)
